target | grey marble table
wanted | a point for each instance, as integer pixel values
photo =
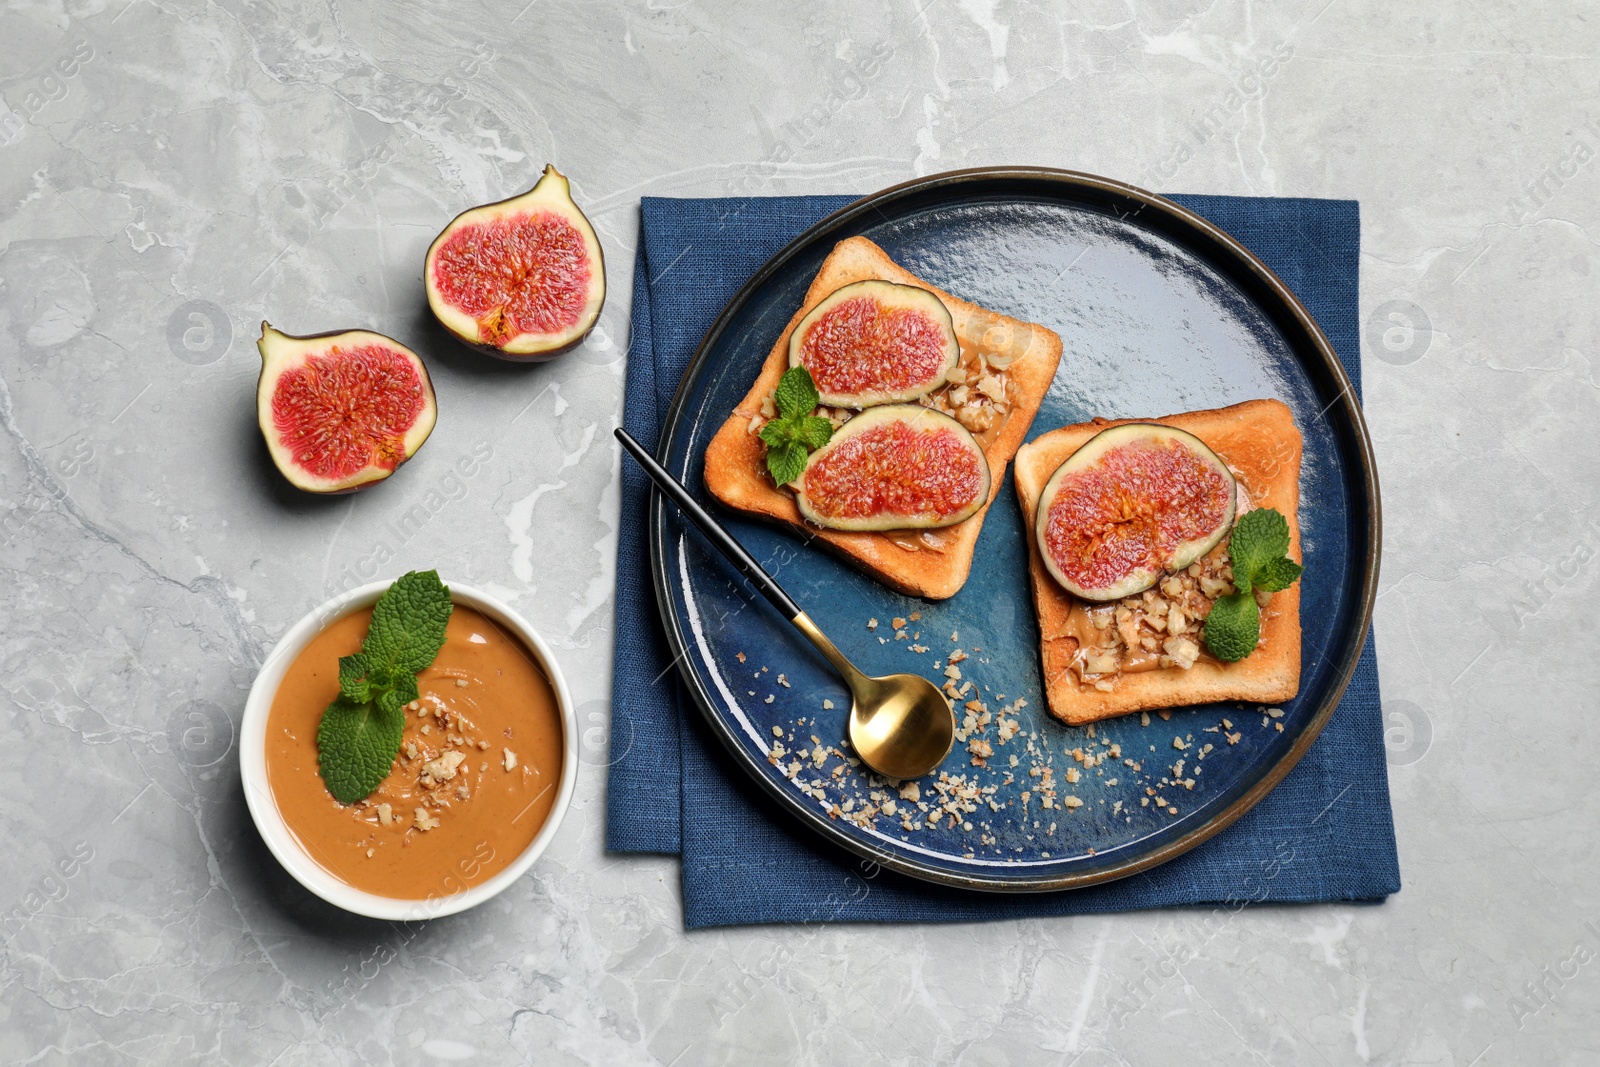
(172, 173)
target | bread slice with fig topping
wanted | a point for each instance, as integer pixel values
(931, 563)
(1260, 443)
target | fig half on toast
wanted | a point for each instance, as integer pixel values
(895, 467)
(876, 342)
(1133, 503)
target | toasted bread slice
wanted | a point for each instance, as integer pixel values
(932, 563)
(1260, 442)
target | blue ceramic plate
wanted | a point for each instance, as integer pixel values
(1159, 312)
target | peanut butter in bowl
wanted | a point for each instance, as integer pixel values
(483, 772)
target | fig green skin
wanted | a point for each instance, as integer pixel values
(271, 340)
(1091, 451)
(891, 294)
(542, 355)
(922, 419)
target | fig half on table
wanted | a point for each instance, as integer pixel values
(341, 411)
(522, 279)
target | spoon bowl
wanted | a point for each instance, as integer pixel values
(901, 725)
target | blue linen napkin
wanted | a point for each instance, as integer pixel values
(1325, 833)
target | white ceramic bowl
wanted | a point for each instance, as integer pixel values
(276, 833)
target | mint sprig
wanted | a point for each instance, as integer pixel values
(359, 735)
(1258, 548)
(796, 432)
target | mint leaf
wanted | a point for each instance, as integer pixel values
(796, 432)
(813, 431)
(1233, 627)
(353, 683)
(1277, 575)
(408, 624)
(779, 433)
(356, 746)
(796, 394)
(1258, 549)
(359, 735)
(405, 689)
(786, 463)
(1258, 538)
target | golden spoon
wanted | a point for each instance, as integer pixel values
(900, 725)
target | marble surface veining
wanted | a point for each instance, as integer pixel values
(172, 173)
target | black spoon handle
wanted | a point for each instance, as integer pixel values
(711, 527)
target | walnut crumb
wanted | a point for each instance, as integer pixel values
(369, 853)
(510, 759)
(461, 683)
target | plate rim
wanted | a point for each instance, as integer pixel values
(816, 821)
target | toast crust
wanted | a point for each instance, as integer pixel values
(1260, 441)
(735, 466)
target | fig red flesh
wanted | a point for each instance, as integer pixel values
(522, 273)
(346, 409)
(1134, 502)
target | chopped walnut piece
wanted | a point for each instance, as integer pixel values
(1183, 650)
(423, 821)
(442, 769)
(510, 762)
(385, 815)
